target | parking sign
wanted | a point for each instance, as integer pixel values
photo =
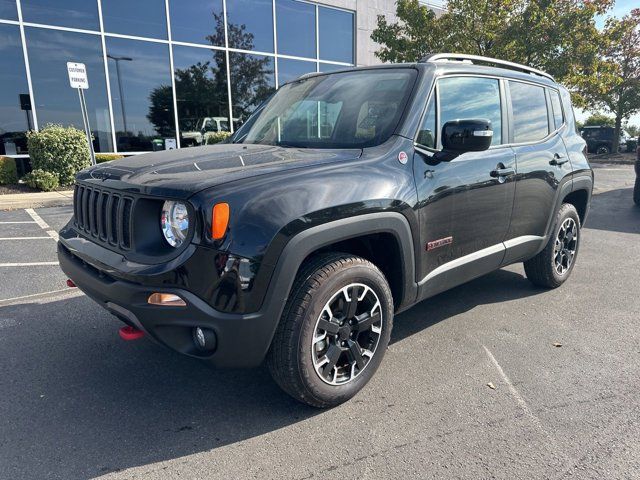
(77, 75)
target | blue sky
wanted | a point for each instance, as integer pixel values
(621, 8)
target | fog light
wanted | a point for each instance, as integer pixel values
(166, 300)
(204, 339)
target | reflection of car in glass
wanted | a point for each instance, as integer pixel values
(600, 139)
(345, 198)
(194, 131)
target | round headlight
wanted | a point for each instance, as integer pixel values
(175, 222)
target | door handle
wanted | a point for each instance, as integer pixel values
(502, 171)
(558, 159)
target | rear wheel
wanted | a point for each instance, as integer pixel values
(334, 330)
(552, 266)
(603, 149)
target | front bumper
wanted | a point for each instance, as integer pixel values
(242, 339)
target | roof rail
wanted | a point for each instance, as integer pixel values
(440, 57)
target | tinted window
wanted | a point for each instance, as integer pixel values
(15, 113)
(530, 122)
(342, 110)
(336, 35)
(141, 94)
(427, 132)
(291, 69)
(201, 92)
(8, 10)
(558, 118)
(296, 28)
(142, 18)
(55, 101)
(250, 24)
(197, 21)
(67, 13)
(252, 81)
(471, 98)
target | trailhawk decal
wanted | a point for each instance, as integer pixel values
(439, 243)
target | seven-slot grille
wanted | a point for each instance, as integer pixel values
(103, 215)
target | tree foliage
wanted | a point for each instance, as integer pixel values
(599, 119)
(613, 83)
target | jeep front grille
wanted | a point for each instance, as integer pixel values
(103, 215)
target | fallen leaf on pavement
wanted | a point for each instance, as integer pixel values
(557, 344)
(491, 386)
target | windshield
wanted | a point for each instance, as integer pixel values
(342, 110)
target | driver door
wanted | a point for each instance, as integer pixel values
(464, 204)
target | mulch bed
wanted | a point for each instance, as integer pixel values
(22, 188)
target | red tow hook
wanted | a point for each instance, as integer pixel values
(70, 283)
(129, 333)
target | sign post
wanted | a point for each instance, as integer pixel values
(78, 79)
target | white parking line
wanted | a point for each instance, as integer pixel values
(28, 264)
(42, 224)
(25, 238)
(65, 292)
(12, 223)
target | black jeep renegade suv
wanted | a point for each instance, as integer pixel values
(344, 199)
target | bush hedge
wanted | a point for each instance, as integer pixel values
(61, 151)
(107, 157)
(45, 181)
(216, 137)
(8, 171)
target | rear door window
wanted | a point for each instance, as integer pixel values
(556, 105)
(530, 121)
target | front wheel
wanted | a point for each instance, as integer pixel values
(334, 330)
(552, 266)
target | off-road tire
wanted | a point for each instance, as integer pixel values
(541, 269)
(290, 356)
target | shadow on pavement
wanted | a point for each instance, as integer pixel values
(614, 211)
(77, 402)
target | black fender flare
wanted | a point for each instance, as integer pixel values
(310, 240)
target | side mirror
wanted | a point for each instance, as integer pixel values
(461, 136)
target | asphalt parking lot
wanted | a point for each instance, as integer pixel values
(77, 402)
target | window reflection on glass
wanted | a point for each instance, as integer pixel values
(530, 122)
(141, 94)
(8, 10)
(291, 69)
(197, 21)
(456, 103)
(250, 24)
(330, 67)
(55, 101)
(66, 13)
(15, 105)
(201, 93)
(142, 18)
(427, 132)
(296, 23)
(252, 81)
(336, 35)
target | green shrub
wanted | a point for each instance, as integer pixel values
(107, 157)
(59, 150)
(215, 137)
(8, 171)
(41, 180)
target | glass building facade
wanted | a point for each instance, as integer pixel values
(158, 70)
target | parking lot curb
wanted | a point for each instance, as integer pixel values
(15, 201)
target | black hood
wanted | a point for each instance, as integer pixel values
(181, 173)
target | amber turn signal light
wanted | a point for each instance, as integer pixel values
(166, 300)
(219, 220)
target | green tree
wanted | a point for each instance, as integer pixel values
(557, 36)
(633, 130)
(613, 84)
(599, 119)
